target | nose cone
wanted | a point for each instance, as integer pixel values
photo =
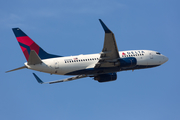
(165, 59)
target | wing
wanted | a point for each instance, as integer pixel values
(57, 81)
(109, 57)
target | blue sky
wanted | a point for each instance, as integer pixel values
(72, 28)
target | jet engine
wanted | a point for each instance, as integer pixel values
(106, 77)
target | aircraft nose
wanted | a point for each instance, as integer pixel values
(165, 59)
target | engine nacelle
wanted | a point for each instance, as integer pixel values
(128, 62)
(106, 77)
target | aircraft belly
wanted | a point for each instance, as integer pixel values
(40, 67)
(94, 71)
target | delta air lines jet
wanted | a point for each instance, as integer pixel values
(102, 66)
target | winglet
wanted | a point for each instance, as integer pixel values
(38, 79)
(106, 29)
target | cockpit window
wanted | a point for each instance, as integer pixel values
(158, 53)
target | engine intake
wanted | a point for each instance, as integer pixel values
(106, 77)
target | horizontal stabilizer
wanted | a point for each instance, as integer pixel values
(57, 81)
(16, 69)
(34, 58)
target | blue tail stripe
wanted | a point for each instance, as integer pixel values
(25, 46)
(45, 55)
(18, 32)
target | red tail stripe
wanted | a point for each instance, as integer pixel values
(26, 54)
(34, 47)
(25, 40)
(29, 42)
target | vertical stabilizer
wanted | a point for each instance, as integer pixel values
(27, 44)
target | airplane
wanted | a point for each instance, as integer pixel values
(103, 66)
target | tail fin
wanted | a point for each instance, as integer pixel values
(27, 45)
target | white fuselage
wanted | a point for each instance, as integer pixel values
(71, 64)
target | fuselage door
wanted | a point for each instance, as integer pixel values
(151, 55)
(56, 64)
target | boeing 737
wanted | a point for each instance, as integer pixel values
(102, 66)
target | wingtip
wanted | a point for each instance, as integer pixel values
(15, 28)
(106, 29)
(38, 79)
